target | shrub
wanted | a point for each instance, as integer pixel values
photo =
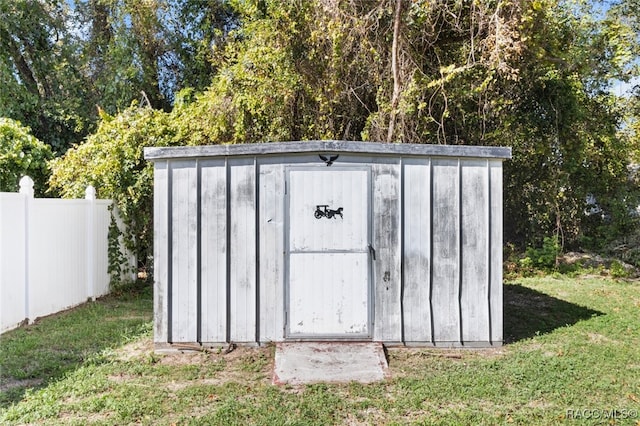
(22, 154)
(112, 161)
(544, 257)
(617, 270)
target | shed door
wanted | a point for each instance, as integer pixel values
(328, 290)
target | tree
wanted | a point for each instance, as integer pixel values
(195, 29)
(61, 61)
(41, 83)
(532, 75)
(150, 49)
(564, 126)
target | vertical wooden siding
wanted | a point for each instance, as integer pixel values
(494, 297)
(162, 262)
(184, 251)
(452, 257)
(271, 248)
(207, 292)
(242, 251)
(386, 241)
(437, 232)
(418, 312)
(214, 250)
(445, 249)
(474, 280)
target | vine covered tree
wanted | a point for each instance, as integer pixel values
(534, 75)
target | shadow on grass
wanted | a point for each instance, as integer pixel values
(528, 313)
(33, 356)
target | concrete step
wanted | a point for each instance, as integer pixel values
(332, 362)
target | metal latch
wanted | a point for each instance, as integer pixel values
(372, 252)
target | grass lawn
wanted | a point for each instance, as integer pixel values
(572, 357)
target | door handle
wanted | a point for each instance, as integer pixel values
(372, 252)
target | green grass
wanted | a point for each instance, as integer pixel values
(573, 344)
(44, 352)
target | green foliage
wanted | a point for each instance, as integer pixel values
(626, 248)
(124, 51)
(564, 129)
(112, 161)
(256, 94)
(21, 154)
(63, 60)
(617, 270)
(117, 247)
(545, 257)
(531, 75)
(41, 81)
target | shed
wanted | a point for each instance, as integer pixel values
(328, 240)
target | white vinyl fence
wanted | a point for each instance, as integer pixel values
(53, 254)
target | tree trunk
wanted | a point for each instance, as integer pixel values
(395, 97)
(22, 66)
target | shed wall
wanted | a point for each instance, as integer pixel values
(452, 257)
(220, 264)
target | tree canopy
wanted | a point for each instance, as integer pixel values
(534, 75)
(62, 61)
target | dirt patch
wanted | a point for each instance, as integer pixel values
(241, 357)
(407, 354)
(255, 364)
(134, 350)
(598, 338)
(234, 364)
(595, 261)
(177, 386)
(184, 358)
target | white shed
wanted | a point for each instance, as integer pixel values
(328, 240)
